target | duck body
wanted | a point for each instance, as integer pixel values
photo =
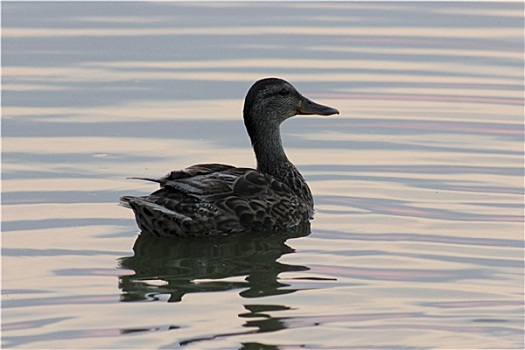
(215, 199)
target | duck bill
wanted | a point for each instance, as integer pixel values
(310, 107)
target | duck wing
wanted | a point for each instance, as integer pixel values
(209, 199)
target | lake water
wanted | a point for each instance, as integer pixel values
(417, 240)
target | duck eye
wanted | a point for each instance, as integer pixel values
(284, 92)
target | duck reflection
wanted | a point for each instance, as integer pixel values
(170, 268)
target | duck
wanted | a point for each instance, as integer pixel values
(218, 199)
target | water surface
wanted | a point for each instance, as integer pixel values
(417, 240)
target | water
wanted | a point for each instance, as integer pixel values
(418, 236)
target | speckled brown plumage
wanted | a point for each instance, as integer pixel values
(213, 199)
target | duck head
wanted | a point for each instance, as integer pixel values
(271, 101)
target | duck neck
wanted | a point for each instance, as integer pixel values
(269, 152)
(272, 160)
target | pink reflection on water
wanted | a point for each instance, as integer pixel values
(400, 208)
(384, 274)
(475, 303)
(426, 97)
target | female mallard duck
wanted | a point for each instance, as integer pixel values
(212, 199)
